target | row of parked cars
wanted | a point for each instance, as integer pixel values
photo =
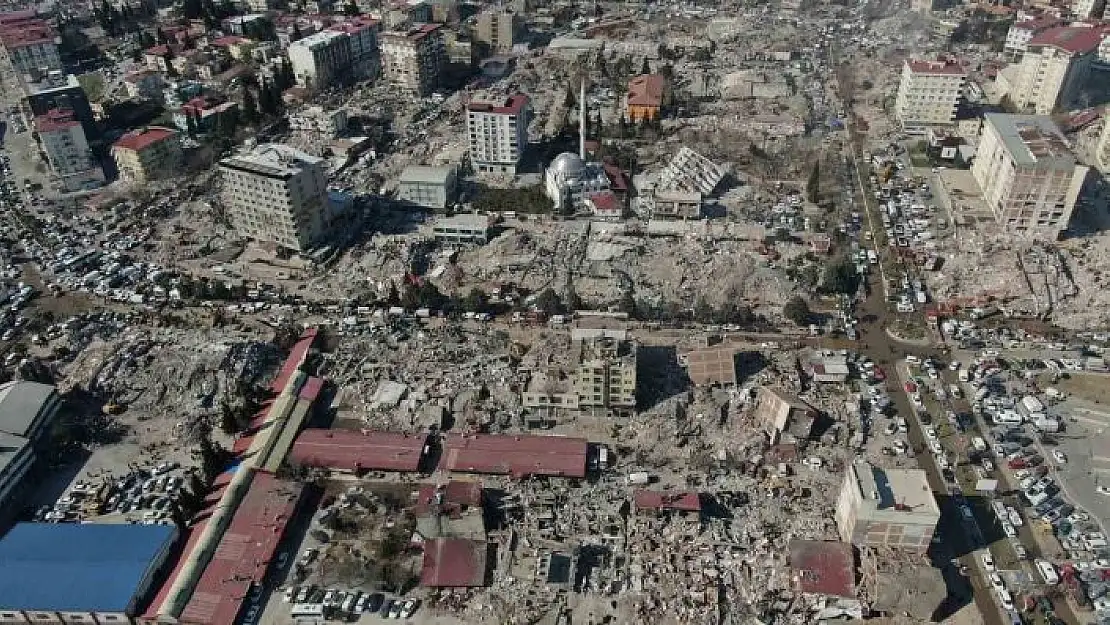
(351, 604)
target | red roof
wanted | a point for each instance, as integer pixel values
(605, 202)
(520, 455)
(936, 68)
(454, 563)
(356, 24)
(1070, 39)
(453, 495)
(19, 17)
(161, 50)
(511, 105)
(351, 450)
(1038, 24)
(26, 34)
(142, 139)
(295, 359)
(655, 500)
(311, 388)
(646, 90)
(56, 119)
(244, 552)
(617, 180)
(230, 40)
(824, 567)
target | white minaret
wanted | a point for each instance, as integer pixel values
(582, 120)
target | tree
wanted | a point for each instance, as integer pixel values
(548, 303)
(813, 185)
(646, 68)
(213, 458)
(627, 303)
(796, 310)
(394, 297)
(703, 312)
(190, 125)
(475, 301)
(351, 8)
(840, 276)
(250, 108)
(161, 36)
(296, 35)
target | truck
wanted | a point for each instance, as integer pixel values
(921, 297)
(1047, 424)
(1031, 404)
(638, 478)
(978, 443)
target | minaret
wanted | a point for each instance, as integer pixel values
(582, 120)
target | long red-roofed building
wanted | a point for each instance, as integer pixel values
(516, 455)
(351, 450)
(454, 563)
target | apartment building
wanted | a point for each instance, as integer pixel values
(1028, 174)
(413, 59)
(320, 59)
(886, 507)
(1022, 32)
(497, 131)
(1088, 9)
(646, 96)
(1102, 147)
(465, 228)
(61, 91)
(499, 29)
(362, 32)
(600, 377)
(429, 187)
(929, 94)
(149, 154)
(30, 45)
(1054, 68)
(67, 150)
(276, 195)
(28, 412)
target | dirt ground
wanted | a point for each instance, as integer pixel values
(1090, 386)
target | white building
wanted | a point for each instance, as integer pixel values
(1054, 69)
(466, 228)
(1088, 9)
(277, 195)
(28, 411)
(1028, 174)
(1021, 33)
(891, 508)
(1102, 147)
(67, 150)
(497, 131)
(320, 59)
(570, 179)
(928, 94)
(430, 187)
(413, 59)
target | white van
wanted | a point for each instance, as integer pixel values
(1048, 572)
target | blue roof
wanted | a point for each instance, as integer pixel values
(84, 567)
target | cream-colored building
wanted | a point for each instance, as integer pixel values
(603, 380)
(499, 29)
(928, 94)
(63, 140)
(148, 154)
(1102, 147)
(320, 59)
(276, 195)
(413, 59)
(1028, 174)
(1054, 69)
(889, 507)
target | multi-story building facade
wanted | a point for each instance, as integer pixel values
(602, 379)
(413, 59)
(320, 59)
(1028, 174)
(276, 195)
(67, 150)
(1102, 147)
(929, 94)
(28, 413)
(499, 29)
(430, 187)
(1088, 9)
(1021, 33)
(62, 91)
(1054, 68)
(497, 131)
(886, 507)
(363, 35)
(31, 46)
(149, 154)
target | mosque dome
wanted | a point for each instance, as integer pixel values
(567, 165)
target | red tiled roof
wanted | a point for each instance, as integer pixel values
(355, 24)
(26, 34)
(655, 500)
(18, 17)
(161, 50)
(824, 567)
(617, 180)
(244, 552)
(141, 139)
(138, 76)
(1070, 39)
(1037, 24)
(351, 450)
(604, 202)
(512, 105)
(454, 563)
(453, 494)
(55, 119)
(311, 388)
(936, 68)
(230, 40)
(520, 455)
(646, 90)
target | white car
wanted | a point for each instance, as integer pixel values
(1059, 457)
(988, 562)
(1009, 530)
(1004, 599)
(930, 433)
(913, 360)
(996, 581)
(1103, 490)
